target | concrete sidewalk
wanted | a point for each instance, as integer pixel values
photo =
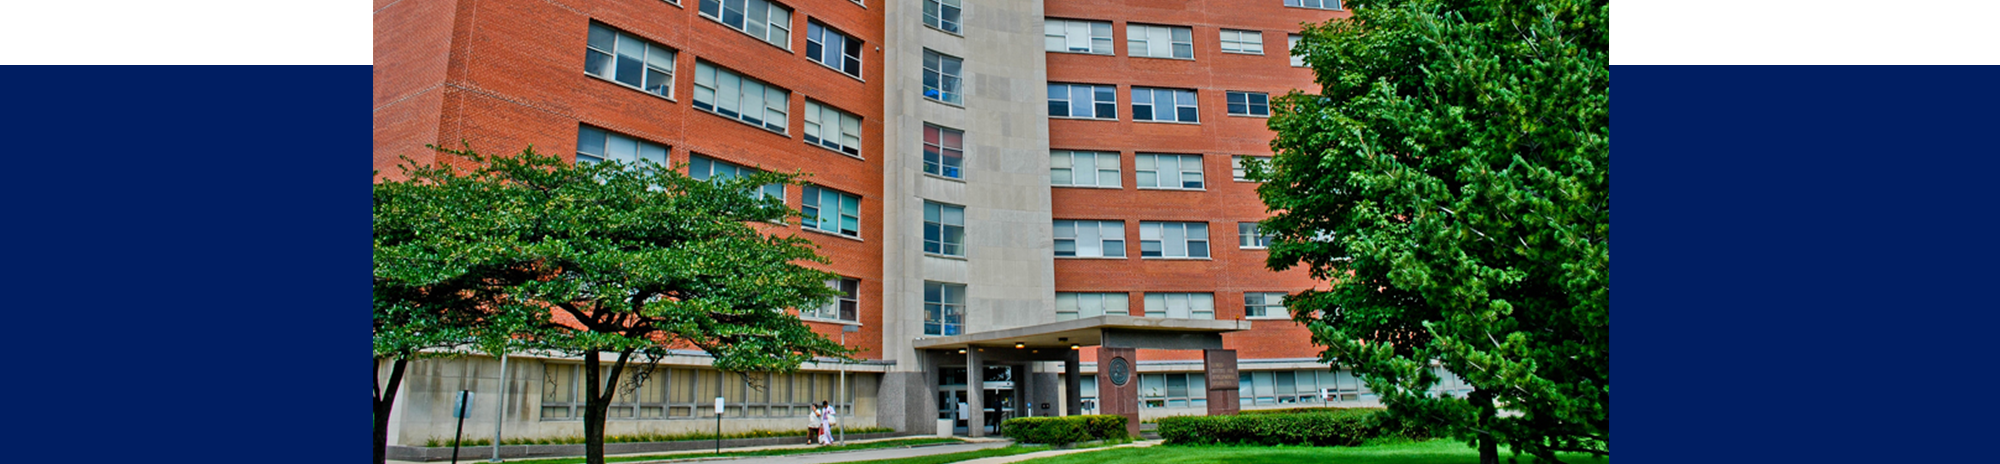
(1044, 454)
(919, 450)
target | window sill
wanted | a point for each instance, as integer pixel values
(719, 114)
(629, 86)
(943, 178)
(1067, 52)
(824, 147)
(1170, 258)
(945, 103)
(1252, 116)
(1173, 189)
(1247, 181)
(1254, 248)
(822, 232)
(1184, 123)
(944, 256)
(1114, 258)
(1311, 8)
(1099, 187)
(1149, 57)
(953, 34)
(838, 71)
(1074, 118)
(830, 321)
(1244, 53)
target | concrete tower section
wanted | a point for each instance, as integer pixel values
(1003, 266)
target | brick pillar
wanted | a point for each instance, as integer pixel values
(1112, 397)
(1220, 366)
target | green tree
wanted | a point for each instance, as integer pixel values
(609, 258)
(1451, 179)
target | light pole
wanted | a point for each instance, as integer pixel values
(843, 379)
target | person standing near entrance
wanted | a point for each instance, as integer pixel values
(813, 422)
(827, 421)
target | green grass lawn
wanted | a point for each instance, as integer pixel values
(768, 452)
(962, 456)
(1430, 452)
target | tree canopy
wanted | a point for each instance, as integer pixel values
(632, 259)
(1451, 179)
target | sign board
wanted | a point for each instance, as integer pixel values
(458, 409)
(718, 405)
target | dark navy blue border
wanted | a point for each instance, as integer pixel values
(1805, 270)
(186, 262)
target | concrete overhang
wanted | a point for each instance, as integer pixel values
(1108, 330)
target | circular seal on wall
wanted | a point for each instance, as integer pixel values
(1120, 371)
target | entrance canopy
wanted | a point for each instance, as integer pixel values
(1115, 331)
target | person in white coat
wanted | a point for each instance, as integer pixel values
(827, 422)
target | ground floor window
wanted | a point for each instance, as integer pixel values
(1173, 390)
(689, 393)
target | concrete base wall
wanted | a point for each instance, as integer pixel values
(417, 453)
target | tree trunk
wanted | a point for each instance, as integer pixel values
(385, 398)
(597, 403)
(1489, 445)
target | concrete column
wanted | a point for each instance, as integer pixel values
(1073, 383)
(975, 394)
(1118, 385)
(1220, 366)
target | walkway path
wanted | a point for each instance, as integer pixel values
(1044, 454)
(873, 454)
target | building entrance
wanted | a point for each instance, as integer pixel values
(998, 397)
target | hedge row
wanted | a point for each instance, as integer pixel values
(1311, 427)
(1064, 430)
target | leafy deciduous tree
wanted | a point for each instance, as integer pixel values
(610, 257)
(1452, 180)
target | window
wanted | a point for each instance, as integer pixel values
(1173, 390)
(944, 308)
(1249, 104)
(942, 14)
(944, 229)
(1249, 236)
(843, 307)
(1319, 4)
(1163, 105)
(1264, 304)
(727, 93)
(831, 211)
(944, 151)
(627, 59)
(595, 145)
(1083, 169)
(1300, 386)
(1081, 305)
(1181, 305)
(1097, 239)
(762, 19)
(832, 128)
(1235, 41)
(1169, 171)
(833, 49)
(1292, 43)
(1083, 101)
(705, 168)
(1173, 240)
(1073, 36)
(1159, 41)
(941, 78)
(1240, 173)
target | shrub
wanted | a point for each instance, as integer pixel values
(1064, 430)
(1314, 427)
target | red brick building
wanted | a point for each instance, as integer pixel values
(964, 182)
